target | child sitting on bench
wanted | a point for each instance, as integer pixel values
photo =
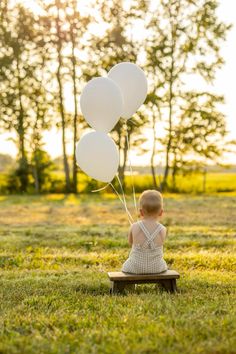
(147, 237)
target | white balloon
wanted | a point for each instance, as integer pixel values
(133, 84)
(98, 156)
(101, 103)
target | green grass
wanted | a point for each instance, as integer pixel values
(55, 251)
(216, 182)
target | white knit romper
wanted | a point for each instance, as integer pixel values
(148, 257)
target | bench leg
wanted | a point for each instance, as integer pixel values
(174, 286)
(166, 284)
(117, 287)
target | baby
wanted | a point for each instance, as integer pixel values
(147, 237)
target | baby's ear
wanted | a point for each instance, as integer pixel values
(140, 212)
(161, 212)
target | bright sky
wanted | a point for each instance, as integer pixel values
(224, 84)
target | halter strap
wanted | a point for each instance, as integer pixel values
(150, 237)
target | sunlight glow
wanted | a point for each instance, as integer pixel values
(224, 84)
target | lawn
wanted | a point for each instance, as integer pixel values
(215, 182)
(55, 252)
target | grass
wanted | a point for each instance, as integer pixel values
(216, 182)
(55, 251)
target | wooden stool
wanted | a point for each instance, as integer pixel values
(120, 280)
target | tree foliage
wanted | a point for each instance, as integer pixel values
(184, 41)
(47, 56)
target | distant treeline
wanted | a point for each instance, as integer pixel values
(211, 179)
(47, 54)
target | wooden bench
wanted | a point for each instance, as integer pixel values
(120, 280)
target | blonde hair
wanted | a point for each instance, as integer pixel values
(151, 201)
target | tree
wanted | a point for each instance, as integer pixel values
(153, 112)
(117, 45)
(59, 41)
(20, 57)
(127, 135)
(40, 163)
(64, 28)
(41, 166)
(77, 28)
(53, 24)
(200, 129)
(184, 39)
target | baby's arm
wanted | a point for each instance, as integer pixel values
(130, 236)
(163, 234)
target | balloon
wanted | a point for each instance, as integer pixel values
(97, 155)
(101, 103)
(133, 84)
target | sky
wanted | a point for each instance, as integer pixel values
(224, 84)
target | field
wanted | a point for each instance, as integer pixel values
(55, 251)
(216, 182)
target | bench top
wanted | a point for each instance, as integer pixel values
(120, 276)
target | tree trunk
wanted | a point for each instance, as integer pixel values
(61, 104)
(153, 175)
(75, 177)
(174, 170)
(119, 148)
(170, 104)
(23, 163)
(73, 60)
(122, 170)
(169, 143)
(153, 153)
(36, 178)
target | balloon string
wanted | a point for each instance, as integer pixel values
(131, 171)
(124, 204)
(123, 194)
(100, 189)
(118, 195)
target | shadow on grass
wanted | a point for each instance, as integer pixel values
(93, 289)
(194, 285)
(104, 289)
